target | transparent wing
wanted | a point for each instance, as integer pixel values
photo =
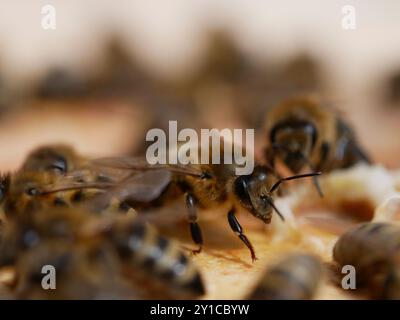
(143, 186)
(140, 164)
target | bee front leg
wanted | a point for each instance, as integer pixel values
(237, 228)
(195, 230)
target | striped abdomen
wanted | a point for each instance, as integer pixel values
(155, 258)
(297, 277)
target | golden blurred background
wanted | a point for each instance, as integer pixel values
(111, 70)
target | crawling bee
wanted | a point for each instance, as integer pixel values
(374, 250)
(296, 277)
(209, 185)
(302, 133)
(43, 166)
(55, 175)
(96, 257)
(29, 191)
(62, 159)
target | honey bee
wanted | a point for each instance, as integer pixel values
(60, 158)
(96, 257)
(29, 191)
(373, 249)
(302, 133)
(61, 84)
(209, 185)
(296, 277)
(56, 176)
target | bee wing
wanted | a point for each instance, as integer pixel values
(98, 174)
(143, 186)
(73, 185)
(140, 164)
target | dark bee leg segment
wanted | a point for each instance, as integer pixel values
(195, 230)
(318, 186)
(237, 228)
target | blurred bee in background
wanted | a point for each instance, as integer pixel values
(95, 257)
(392, 89)
(61, 84)
(60, 158)
(209, 185)
(272, 83)
(297, 277)
(118, 75)
(224, 86)
(121, 73)
(374, 250)
(28, 191)
(227, 74)
(56, 176)
(303, 133)
(50, 239)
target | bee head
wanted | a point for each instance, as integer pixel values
(293, 141)
(49, 158)
(253, 194)
(22, 191)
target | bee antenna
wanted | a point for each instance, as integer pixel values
(271, 203)
(298, 176)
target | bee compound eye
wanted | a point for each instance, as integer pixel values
(59, 165)
(241, 189)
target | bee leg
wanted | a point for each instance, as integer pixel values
(195, 230)
(237, 228)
